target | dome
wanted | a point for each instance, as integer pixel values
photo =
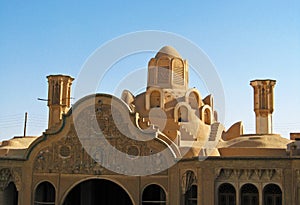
(168, 51)
(257, 141)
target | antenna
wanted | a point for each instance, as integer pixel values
(41, 99)
(25, 124)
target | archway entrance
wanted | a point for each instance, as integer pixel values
(97, 191)
(10, 195)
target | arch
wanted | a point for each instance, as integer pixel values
(163, 61)
(226, 194)
(249, 194)
(153, 194)
(189, 188)
(44, 194)
(181, 112)
(152, 76)
(188, 179)
(272, 195)
(163, 71)
(152, 72)
(206, 114)
(100, 191)
(10, 194)
(192, 96)
(178, 74)
(154, 98)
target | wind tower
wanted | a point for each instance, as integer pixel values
(59, 96)
(263, 105)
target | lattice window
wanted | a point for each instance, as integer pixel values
(249, 195)
(44, 194)
(178, 72)
(227, 194)
(272, 195)
(153, 194)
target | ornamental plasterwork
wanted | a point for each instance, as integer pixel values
(298, 176)
(68, 155)
(8, 175)
(188, 179)
(248, 174)
(17, 177)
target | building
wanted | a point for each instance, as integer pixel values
(164, 146)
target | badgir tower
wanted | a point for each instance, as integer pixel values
(163, 146)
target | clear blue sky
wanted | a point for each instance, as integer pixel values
(244, 39)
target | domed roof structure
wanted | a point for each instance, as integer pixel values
(257, 141)
(168, 51)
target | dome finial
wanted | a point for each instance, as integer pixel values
(168, 51)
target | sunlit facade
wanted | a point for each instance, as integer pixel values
(196, 159)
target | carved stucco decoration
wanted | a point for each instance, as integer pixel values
(188, 179)
(5, 177)
(298, 176)
(17, 177)
(54, 158)
(8, 175)
(248, 174)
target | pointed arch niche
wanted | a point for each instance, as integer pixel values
(189, 188)
(181, 112)
(193, 97)
(154, 98)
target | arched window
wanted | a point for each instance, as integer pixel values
(164, 73)
(178, 72)
(155, 99)
(189, 187)
(263, 98)
(249, 195)
(44, 194)
(207, 116)
(153, 194)
(10, 194)
(272, 195)
(227, 194)
(183, 114)
(191, 196)
(151, 75)
(194, 100)
(56, 94)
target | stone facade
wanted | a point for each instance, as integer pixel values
(163, 146)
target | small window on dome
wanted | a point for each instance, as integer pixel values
(155, 99)
(178, 72)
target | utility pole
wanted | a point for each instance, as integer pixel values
(25, 124)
